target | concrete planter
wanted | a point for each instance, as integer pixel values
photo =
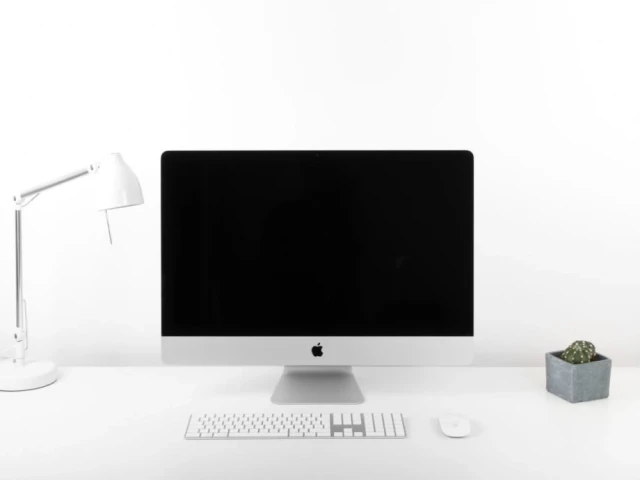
(578, 383)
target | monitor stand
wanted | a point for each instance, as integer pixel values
(317, 385)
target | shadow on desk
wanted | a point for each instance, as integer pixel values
(234, 381)
(453, 380)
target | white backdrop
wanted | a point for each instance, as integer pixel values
(546, 95)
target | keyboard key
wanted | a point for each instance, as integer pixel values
(356, 419)
(346, 419)
(337, 419)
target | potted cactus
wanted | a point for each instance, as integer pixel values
(578, 374)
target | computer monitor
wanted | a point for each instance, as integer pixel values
(317, 261)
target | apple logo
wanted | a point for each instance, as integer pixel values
(317, 350)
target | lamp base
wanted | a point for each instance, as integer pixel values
(16, 377)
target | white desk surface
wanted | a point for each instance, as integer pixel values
(120, 423)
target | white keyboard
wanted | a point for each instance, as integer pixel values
(230, 426)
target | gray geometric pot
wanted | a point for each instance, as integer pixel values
(578, 383)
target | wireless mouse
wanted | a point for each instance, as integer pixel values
(454, 426)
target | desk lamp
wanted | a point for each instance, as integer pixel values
(117, 187)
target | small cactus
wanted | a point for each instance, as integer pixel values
(579, 351)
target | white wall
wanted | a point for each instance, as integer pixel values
(546, 95)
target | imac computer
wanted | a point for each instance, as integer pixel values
(317, 261)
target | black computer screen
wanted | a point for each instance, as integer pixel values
(328, 243)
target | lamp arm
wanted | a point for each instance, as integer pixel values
(20, 334)
(18, 199)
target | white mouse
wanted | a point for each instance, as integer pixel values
(454, 426)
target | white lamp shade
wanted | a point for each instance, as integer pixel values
(117, 185)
